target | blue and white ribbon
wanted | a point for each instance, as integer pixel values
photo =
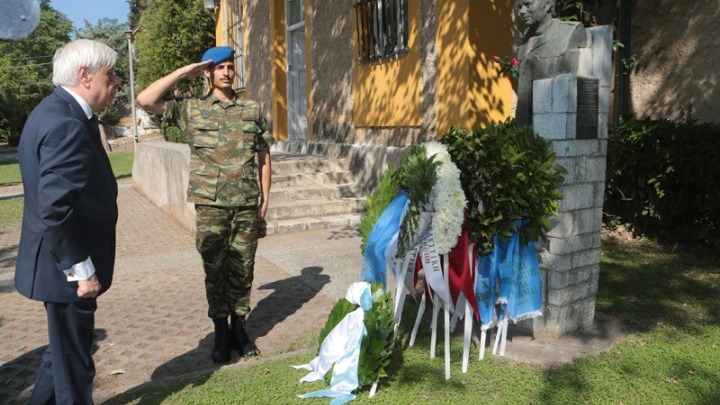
(381, 245)
(341, 348)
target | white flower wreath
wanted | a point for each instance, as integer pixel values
(447, 199)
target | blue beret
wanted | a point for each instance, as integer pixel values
(218, 54)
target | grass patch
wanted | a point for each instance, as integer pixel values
(671, 294)
(10, 211)
(10, 173)
(121, 162)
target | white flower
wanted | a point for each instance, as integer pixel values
(447, 199)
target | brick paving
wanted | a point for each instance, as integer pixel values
(152, 324)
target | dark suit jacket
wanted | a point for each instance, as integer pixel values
(70, 209)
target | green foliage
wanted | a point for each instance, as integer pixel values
(376, 203)
(508, 174)
(577, 10)
(173, 33)
(338, 312)
(663, 179)
(671, 359)
(111, 33)
(417, 174)
(26, 70)
(136, 9)
(172, 133)
(376, 346)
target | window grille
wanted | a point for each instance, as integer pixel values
(236, 34)
(382, 29)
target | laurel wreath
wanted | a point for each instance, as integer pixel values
(376, 347)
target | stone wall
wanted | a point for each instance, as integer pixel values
(570, 261)
(161, 173)
(676, 44)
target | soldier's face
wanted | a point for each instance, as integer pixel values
(222, 75)
(532, 12)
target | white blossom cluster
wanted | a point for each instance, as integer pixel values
(447, 199)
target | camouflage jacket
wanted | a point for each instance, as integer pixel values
(224, 139)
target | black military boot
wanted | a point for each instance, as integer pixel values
(244, 345)
(221, 349)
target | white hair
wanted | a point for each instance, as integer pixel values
(76, 54)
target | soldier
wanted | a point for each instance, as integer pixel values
(225, 133)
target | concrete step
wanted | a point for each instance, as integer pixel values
(314, 192)
(307, 166)
(313, 208)
(305, 179)
(309, 223)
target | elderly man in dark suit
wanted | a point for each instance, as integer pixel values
(67, 244)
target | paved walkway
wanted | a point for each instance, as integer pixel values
(151, 326)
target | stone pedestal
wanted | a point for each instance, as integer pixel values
(571, 110)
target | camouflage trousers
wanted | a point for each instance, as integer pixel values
(226, 239)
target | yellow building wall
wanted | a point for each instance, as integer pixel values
(470, 90)
(278, 55)
(388, 94)
(224, 17)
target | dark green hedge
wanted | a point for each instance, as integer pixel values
(663, 180)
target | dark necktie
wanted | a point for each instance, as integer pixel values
(94, 125)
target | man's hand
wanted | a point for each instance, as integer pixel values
(88, 288)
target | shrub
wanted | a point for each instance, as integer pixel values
(174, 134)
(663, 180)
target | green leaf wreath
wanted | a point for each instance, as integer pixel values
(376, 347)
(508, 173)
(376, 203)
(417, 174)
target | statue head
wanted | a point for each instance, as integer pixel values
(534, 13)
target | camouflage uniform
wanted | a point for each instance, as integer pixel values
(224, 139)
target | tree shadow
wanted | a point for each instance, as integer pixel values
(191, 369)
(194, 367)
(8, 255)
(289, 295)
(18, 375)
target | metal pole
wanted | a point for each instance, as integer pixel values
(129, 36)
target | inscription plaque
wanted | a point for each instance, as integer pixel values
(586, 126)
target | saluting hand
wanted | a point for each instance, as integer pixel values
(193, 70)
